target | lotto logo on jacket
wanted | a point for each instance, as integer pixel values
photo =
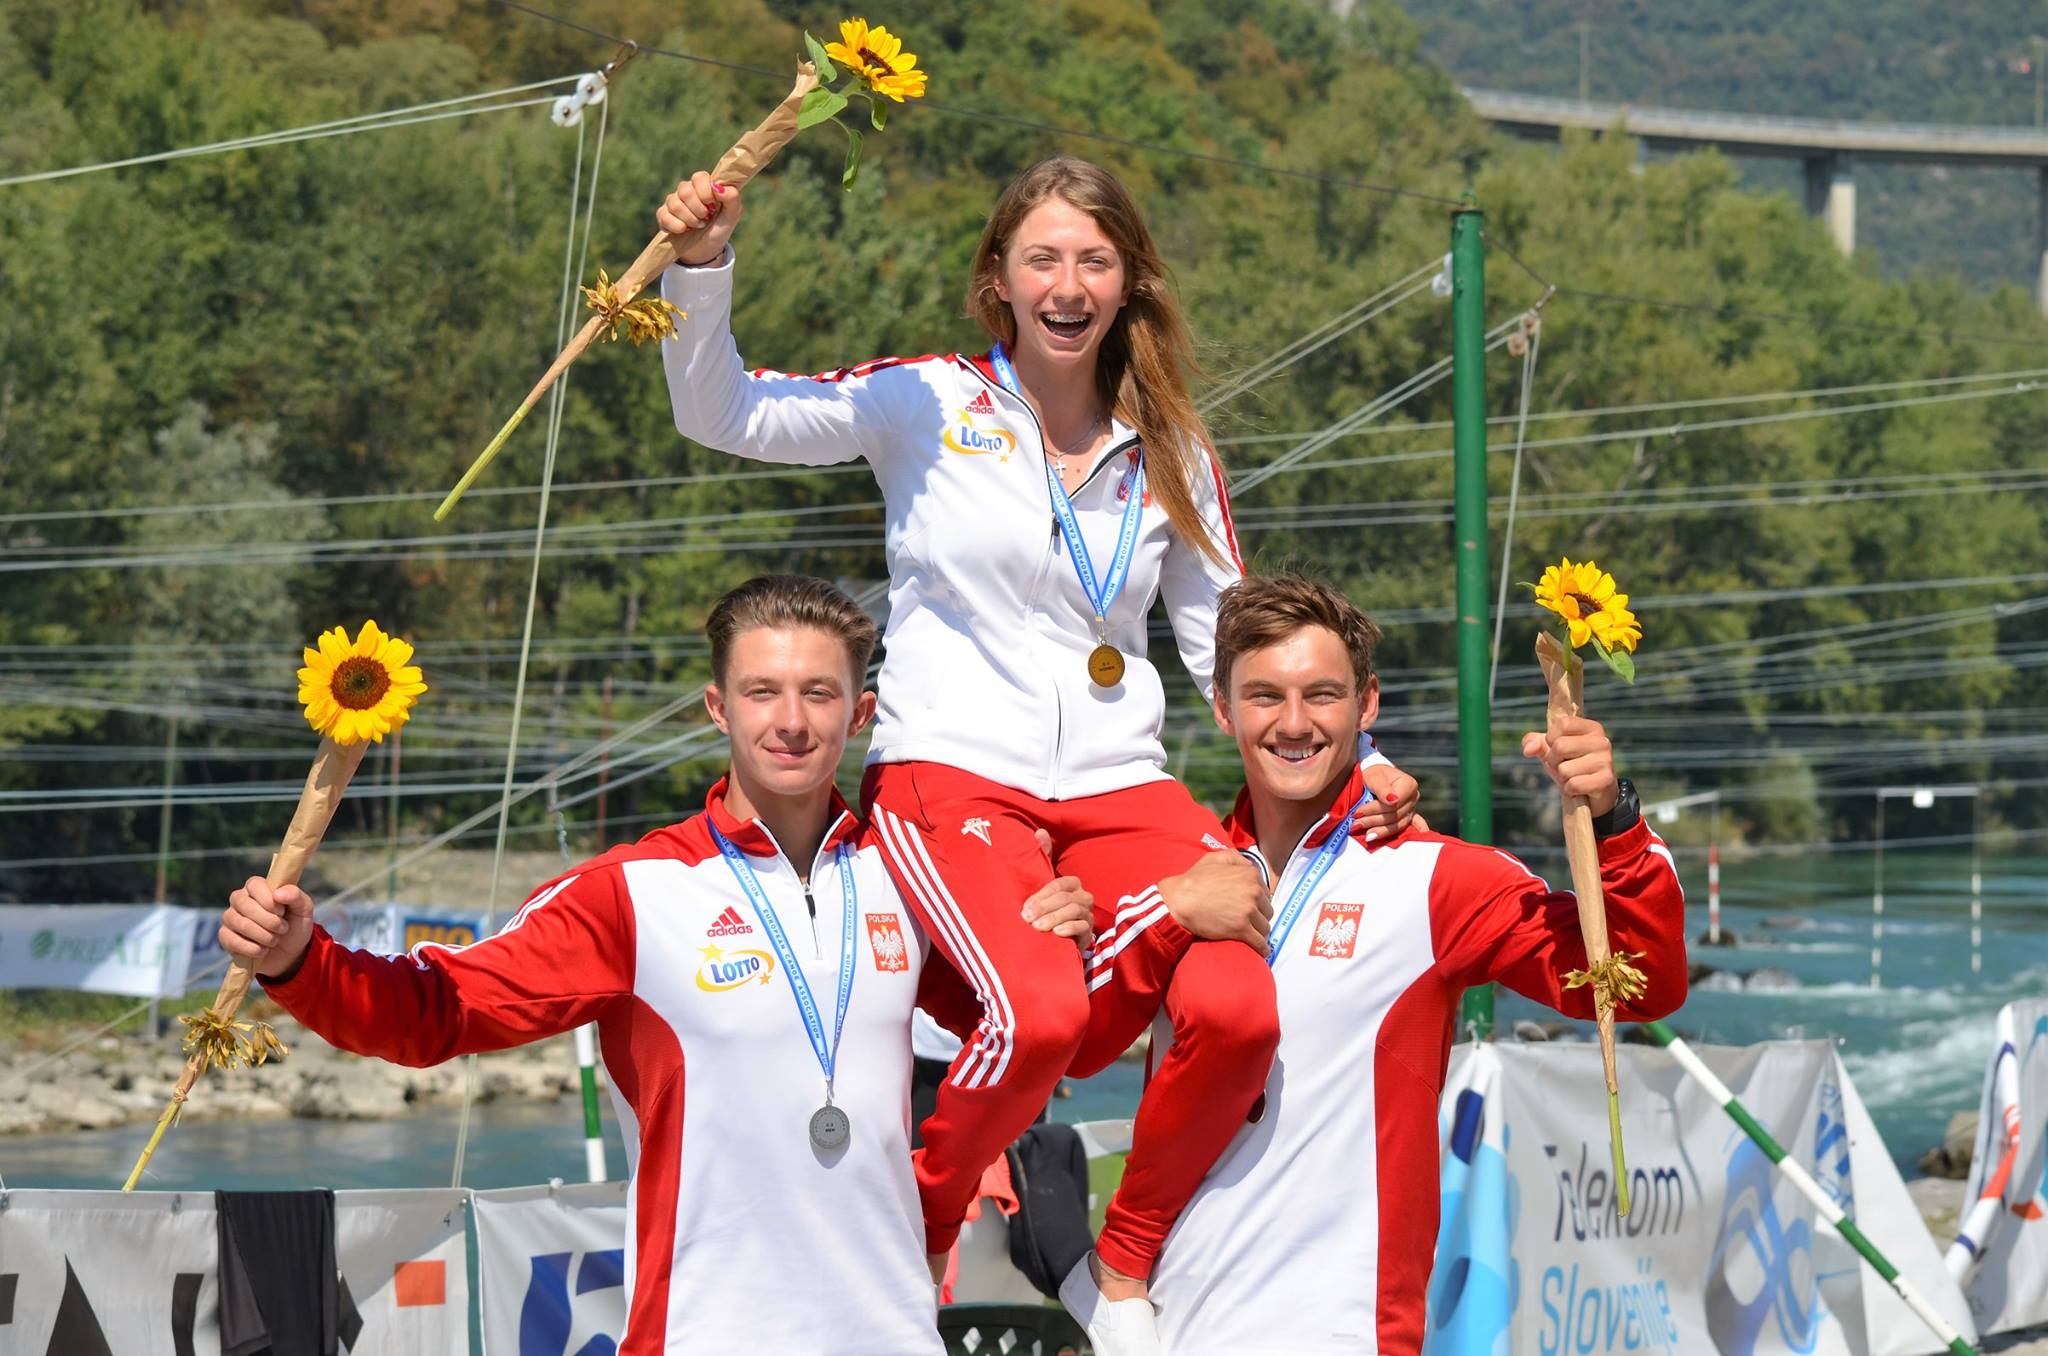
(1336, 931)
(885, 939)
(723, 970)
(979, 439)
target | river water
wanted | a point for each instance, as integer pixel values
(1915, 1048)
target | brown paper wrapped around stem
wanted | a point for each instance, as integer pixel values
(213, 1037)
(1611, 976)
(748, 156)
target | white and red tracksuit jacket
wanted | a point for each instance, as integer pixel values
(987, 641)
(743, 1238)
(1314, 1232)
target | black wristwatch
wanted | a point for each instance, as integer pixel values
(1626, 814)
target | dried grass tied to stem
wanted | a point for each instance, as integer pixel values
(1614, 980)
(648, 320)
(219, 1042)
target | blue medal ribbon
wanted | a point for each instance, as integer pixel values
(1318, 867)
(1104, 593)
(799, 986)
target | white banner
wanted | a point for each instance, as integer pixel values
(107, 1273)
(2001, 1253)
(143, 950)
(404, 1256)
(552, 1262)
(1717, 1253)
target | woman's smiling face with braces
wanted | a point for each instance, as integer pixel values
(1064, 283)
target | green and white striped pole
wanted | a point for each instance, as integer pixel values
(1800, 1178)
(593, 1128)
(586, 1053)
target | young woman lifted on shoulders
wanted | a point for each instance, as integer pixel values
(1039, 498)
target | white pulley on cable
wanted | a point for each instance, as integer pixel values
(591, 88)
(1441, 284)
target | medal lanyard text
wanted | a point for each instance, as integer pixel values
(1101, 594)
(799, 986)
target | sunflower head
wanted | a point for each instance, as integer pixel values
(359, 689)
(1584, 597)
(877, 55)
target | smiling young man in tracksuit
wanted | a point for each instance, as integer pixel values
(751, 971)
(1314, 1231)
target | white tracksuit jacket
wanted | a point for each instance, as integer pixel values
(985, 666)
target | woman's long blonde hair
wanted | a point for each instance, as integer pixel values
(1141, 369)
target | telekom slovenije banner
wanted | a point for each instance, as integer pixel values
(2001, 1253)
(1716, 1254)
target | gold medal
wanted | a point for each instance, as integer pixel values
(1105, 665)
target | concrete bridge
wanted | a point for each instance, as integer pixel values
(1830, 148)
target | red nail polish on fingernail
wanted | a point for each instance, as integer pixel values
(718, 188)
(1390, 798)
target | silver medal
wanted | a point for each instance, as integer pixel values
(829, 1127)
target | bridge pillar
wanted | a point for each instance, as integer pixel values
(2041, 242)
(1831, 196)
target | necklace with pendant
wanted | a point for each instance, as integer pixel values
(1059, 453)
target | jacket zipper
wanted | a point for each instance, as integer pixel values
(810, 901)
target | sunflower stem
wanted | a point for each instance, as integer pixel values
(1620, 1160)
(156, 1137)
(476, 468)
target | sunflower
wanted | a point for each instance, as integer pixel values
(878, 55)
(1584, 596)
(359, 690)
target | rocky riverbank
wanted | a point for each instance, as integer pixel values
(114, 1080)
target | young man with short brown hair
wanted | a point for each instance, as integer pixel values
(771, 1202)
(1314, 1231)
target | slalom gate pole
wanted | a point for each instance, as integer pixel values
(1696, 1068)
(593, 1128)
(2001, 1135)
(586, 1055)
(1468, 410)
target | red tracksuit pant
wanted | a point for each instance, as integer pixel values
(963, 852)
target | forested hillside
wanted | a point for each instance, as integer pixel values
(1894, 60)
(232, 388)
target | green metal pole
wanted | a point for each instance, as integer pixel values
(1468, 412)
(1697, 1070)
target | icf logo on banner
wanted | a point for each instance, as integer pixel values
(553, 1316)
(553, 1266)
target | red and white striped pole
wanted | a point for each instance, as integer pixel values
(1713, 894)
